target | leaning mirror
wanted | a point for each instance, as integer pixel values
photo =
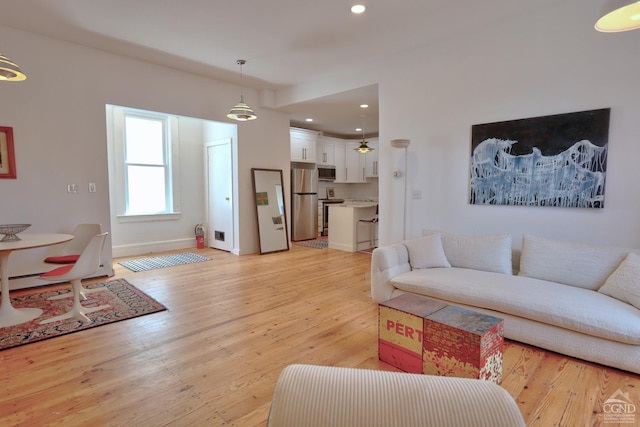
(272, 219)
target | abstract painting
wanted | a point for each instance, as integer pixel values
(558, 160)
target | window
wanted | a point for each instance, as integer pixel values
(146, 165)
(143, 167)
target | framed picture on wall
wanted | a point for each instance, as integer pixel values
(7, 155)
(558, 161)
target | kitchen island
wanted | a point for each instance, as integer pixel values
(346, 233)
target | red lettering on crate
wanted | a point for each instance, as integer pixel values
(404, 330)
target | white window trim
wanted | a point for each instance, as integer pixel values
(173, 147)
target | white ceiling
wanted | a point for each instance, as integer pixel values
(285, 42)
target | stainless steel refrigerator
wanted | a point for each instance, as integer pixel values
(304, 202)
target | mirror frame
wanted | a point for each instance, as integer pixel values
(264, 218)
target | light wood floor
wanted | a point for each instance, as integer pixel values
(233, 324)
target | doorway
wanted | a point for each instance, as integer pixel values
(188, 196)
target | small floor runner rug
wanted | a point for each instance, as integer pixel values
(144, 264)
(316, 244)
(124, 299)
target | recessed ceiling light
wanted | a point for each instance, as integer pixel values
(358, 8)
(309, 119)
(364, 105)
(358, 129)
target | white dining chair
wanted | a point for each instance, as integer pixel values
(88, 263)
(69, 252)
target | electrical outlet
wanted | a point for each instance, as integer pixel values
(72, 188)
(92, 187)
(417, 194)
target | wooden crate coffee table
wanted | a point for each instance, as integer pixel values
(420, 335)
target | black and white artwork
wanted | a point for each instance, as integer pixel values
(558, 160)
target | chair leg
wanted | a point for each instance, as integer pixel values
(372, 235)
(83, 293)
(77, 311)
(372, 238)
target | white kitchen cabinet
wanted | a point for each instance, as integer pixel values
(350, 164)
(325, 151)
(341, 164)
(371, 159)
(303, 145)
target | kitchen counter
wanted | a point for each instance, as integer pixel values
(346, 233)
(360, 203)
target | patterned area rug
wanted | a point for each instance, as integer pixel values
(316, 244)
(125, 300)
(144, 264)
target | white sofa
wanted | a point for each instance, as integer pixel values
(575, 299)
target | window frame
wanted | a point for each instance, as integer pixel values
(170, 163)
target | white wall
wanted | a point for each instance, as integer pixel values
(267, 148)
(58, 118)
(543, 64)
(539, 64)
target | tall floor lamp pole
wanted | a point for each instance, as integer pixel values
(403, 143)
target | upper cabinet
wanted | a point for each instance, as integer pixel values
(350, 164)
(371, 159)
(303, 145)
(326, 151)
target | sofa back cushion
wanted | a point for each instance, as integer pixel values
(574, 264)
(483, 252)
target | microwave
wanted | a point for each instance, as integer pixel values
(326, 173)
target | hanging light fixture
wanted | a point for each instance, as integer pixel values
(363, 148)
(9, 70)
(618, 16)
(241, 111)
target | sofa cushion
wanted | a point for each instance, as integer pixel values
(574, 264)
(482, 252)
(624, 282)
(564, 306)
(427, 252)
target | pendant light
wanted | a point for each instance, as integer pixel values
(241, 111)
(9, 70)
(618, 16)
(363, 148)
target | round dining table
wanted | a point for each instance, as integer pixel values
(10, 315)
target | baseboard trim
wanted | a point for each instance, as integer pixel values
(152, 247)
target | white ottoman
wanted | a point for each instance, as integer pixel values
(322, 396)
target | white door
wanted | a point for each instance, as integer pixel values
(219, 226)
